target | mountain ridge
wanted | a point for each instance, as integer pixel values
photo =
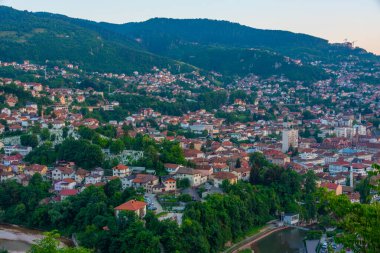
(221, 46)
(28, 35)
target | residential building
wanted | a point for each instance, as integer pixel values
(121, 171)
(289, 139)
(219, 177)
(138, 207)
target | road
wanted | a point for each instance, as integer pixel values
(324, 239)
(153, 198)
(176, 216)
(265, 231)
(193, 193)
(155, 202)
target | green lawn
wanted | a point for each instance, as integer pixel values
(161, 214)
(249, 233)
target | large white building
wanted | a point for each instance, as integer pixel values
(345, 132)
(289, 138)
(8, 150)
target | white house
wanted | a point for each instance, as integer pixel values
(339, 166)
(171, 168)
(121, 171)
(291, 219)
(61, 173)
(194, 176)
(93, 179)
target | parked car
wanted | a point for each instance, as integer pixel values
(152, 208)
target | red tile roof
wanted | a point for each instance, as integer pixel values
(68, 180)
(224, 175)
(68, 192)
(330, 186)
(121, 167)
(132, 205)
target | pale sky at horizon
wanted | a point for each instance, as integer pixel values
(335, 20)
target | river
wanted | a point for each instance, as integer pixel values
(284, 241)
(14, 246)
(17, 239)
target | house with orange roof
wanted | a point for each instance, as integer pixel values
(36, 168)
(242, 173)
(68, 183)
(191, 154)
(194, 176)
(65, 184)
(138, 207)
(67, 193)
(81, 99)
(121, 170)
(219, 177)
(80, 175)
(220, 167)
(61, 173)
(11, 101)
(170, 183)
(336, 188)
(276, 157)
(2, 128)
(145, 181)
(6, 176)
(205, 169)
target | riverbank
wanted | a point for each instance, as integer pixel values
(16, 233)
(247, 242)
(12, 235)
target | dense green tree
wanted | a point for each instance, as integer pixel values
(29, 140)
(364, 188)
(86, 133)
(310, 189)
(193, 235)
(82, 152)
(360, 222)
(307, 115)
(171, 152)
(108, 131)
(117, 146)
(183, 183)
(45, 134)
(257, 161)
(44, 154)
(65, 132)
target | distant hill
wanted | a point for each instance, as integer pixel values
(25, 35)
(159, 34)
(228, 48)
(210, 32)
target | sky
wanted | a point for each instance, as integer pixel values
(335, 20)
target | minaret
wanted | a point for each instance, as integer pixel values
(351, 176)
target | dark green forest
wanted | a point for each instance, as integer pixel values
(25, 35)
(224, 47)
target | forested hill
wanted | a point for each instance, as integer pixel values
(228, 48)
(208, 32)
(160, 34)
(26, 35)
